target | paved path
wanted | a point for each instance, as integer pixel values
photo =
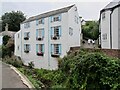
(10, 79)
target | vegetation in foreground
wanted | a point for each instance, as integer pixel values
(81, 70)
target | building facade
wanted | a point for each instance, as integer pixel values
(110, 26)
(44, 38)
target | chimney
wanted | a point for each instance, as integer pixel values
(6, 27)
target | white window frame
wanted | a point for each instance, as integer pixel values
(56, 18)
(18, 35)
(27, 34)
(27, 25)
(56, 32)
(56, 49)
(70, 31)
(40, 33)
(103, 15)
(104, 36)
(26, 47)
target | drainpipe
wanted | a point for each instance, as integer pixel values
(48, 43)
(111, 28)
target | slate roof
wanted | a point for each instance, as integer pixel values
(47, 14)
(113, 4)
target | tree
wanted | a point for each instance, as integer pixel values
(5, 39)
(7, 47)
(91, 30)
(13, 19)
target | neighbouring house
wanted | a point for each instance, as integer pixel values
(83, 22)
(44, 38)
(6, 32)
(110, 26)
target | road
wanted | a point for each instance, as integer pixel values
(10, 79)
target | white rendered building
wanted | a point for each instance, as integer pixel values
(44, 38)
(110, 26)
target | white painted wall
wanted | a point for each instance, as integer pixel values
(1, 40)
(115, 29)
(17, 43)
(75, 38)
(119, 27)
(105, 27)
(67, 41)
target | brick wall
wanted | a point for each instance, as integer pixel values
(109, 52)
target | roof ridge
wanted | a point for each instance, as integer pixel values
(49, 13)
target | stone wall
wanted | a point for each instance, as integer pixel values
(109, 52)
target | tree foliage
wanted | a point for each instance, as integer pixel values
(13, 19)
(91, 30)
(7, 48)
(5, 39)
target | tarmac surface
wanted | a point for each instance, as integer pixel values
(10, 79)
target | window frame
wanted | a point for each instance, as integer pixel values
(27, 25)
(56, 32)
(40, 49)
(55, 18)
(104, 36)
(40, 21)
(26, 48)
(40, 34)
(56, 49)
(70, 31)
(103, 15)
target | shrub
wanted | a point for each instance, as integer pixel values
(13, 61)
(81, 70)
(91, 71)
(31, 65)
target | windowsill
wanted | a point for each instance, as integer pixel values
(40, 54)
(39, 39)
(104, 40)
(55, 38)
(55, 55)
(40, 24)
(26, 38)
(26, 51)
(55, 21)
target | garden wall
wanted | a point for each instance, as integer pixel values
(109, 52)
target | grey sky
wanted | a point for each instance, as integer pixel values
(88, 10)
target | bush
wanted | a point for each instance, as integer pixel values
(81, 70)
(5, 51)
(91, 71)
(31, 65)
(13, 61)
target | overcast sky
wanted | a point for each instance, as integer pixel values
(88, 10)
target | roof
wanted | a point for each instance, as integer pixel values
(47, 14)
(111, 5)
(9, 33)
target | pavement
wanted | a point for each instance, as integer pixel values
(10, 77)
